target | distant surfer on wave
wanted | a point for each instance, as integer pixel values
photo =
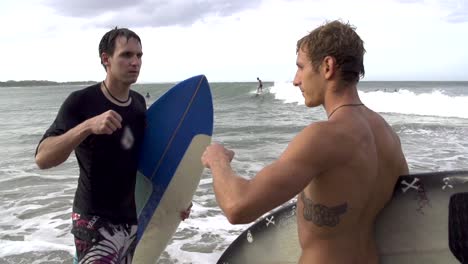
(342, 170)
(260, 86)
(104, 125)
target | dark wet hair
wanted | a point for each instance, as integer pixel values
(339, 40)
(107, 43)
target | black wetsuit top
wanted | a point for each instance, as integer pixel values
(107, 166)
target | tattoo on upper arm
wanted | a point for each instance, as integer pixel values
(322, 215)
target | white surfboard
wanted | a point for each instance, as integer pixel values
(425, 222)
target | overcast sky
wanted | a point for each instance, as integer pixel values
(230, 40)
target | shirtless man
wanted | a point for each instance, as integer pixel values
(342, 170)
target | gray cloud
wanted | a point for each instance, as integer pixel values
(458, 11)
(141, 13)
(459, 16)
(88, 8)
(410, 1)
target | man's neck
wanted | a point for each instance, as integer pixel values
(116, 91)
(337, 95)
(117, 88)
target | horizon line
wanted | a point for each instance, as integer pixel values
(218, 81)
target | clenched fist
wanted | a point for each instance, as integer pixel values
(105, 123)
(216, 153)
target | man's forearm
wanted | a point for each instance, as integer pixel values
(230, 189)
(55, 150)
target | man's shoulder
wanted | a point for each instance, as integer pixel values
(137, 94)
(86, 90)
(86, 96)
(139, 97)
(322, 129)
(316, 147)
(316, 136)
(327, 137)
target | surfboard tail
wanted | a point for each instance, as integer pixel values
(162, 224)
(143, 190)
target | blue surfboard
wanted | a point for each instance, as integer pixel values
(179, 128)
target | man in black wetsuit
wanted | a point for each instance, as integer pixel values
(104, 125)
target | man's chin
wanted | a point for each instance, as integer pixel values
(131, 81)
(311, 104)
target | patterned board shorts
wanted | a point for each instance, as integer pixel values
(98, 241)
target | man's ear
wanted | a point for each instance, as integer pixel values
(105, 59)
(329, 67)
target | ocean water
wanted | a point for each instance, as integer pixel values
(431, 119)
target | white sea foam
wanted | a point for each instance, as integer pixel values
(287, 93)
(36, 235)
(19, 247)
(435, 103)
(217, 226)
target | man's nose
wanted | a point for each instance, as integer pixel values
(135, 60)
(296, 81)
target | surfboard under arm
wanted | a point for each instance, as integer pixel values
(426, 222)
